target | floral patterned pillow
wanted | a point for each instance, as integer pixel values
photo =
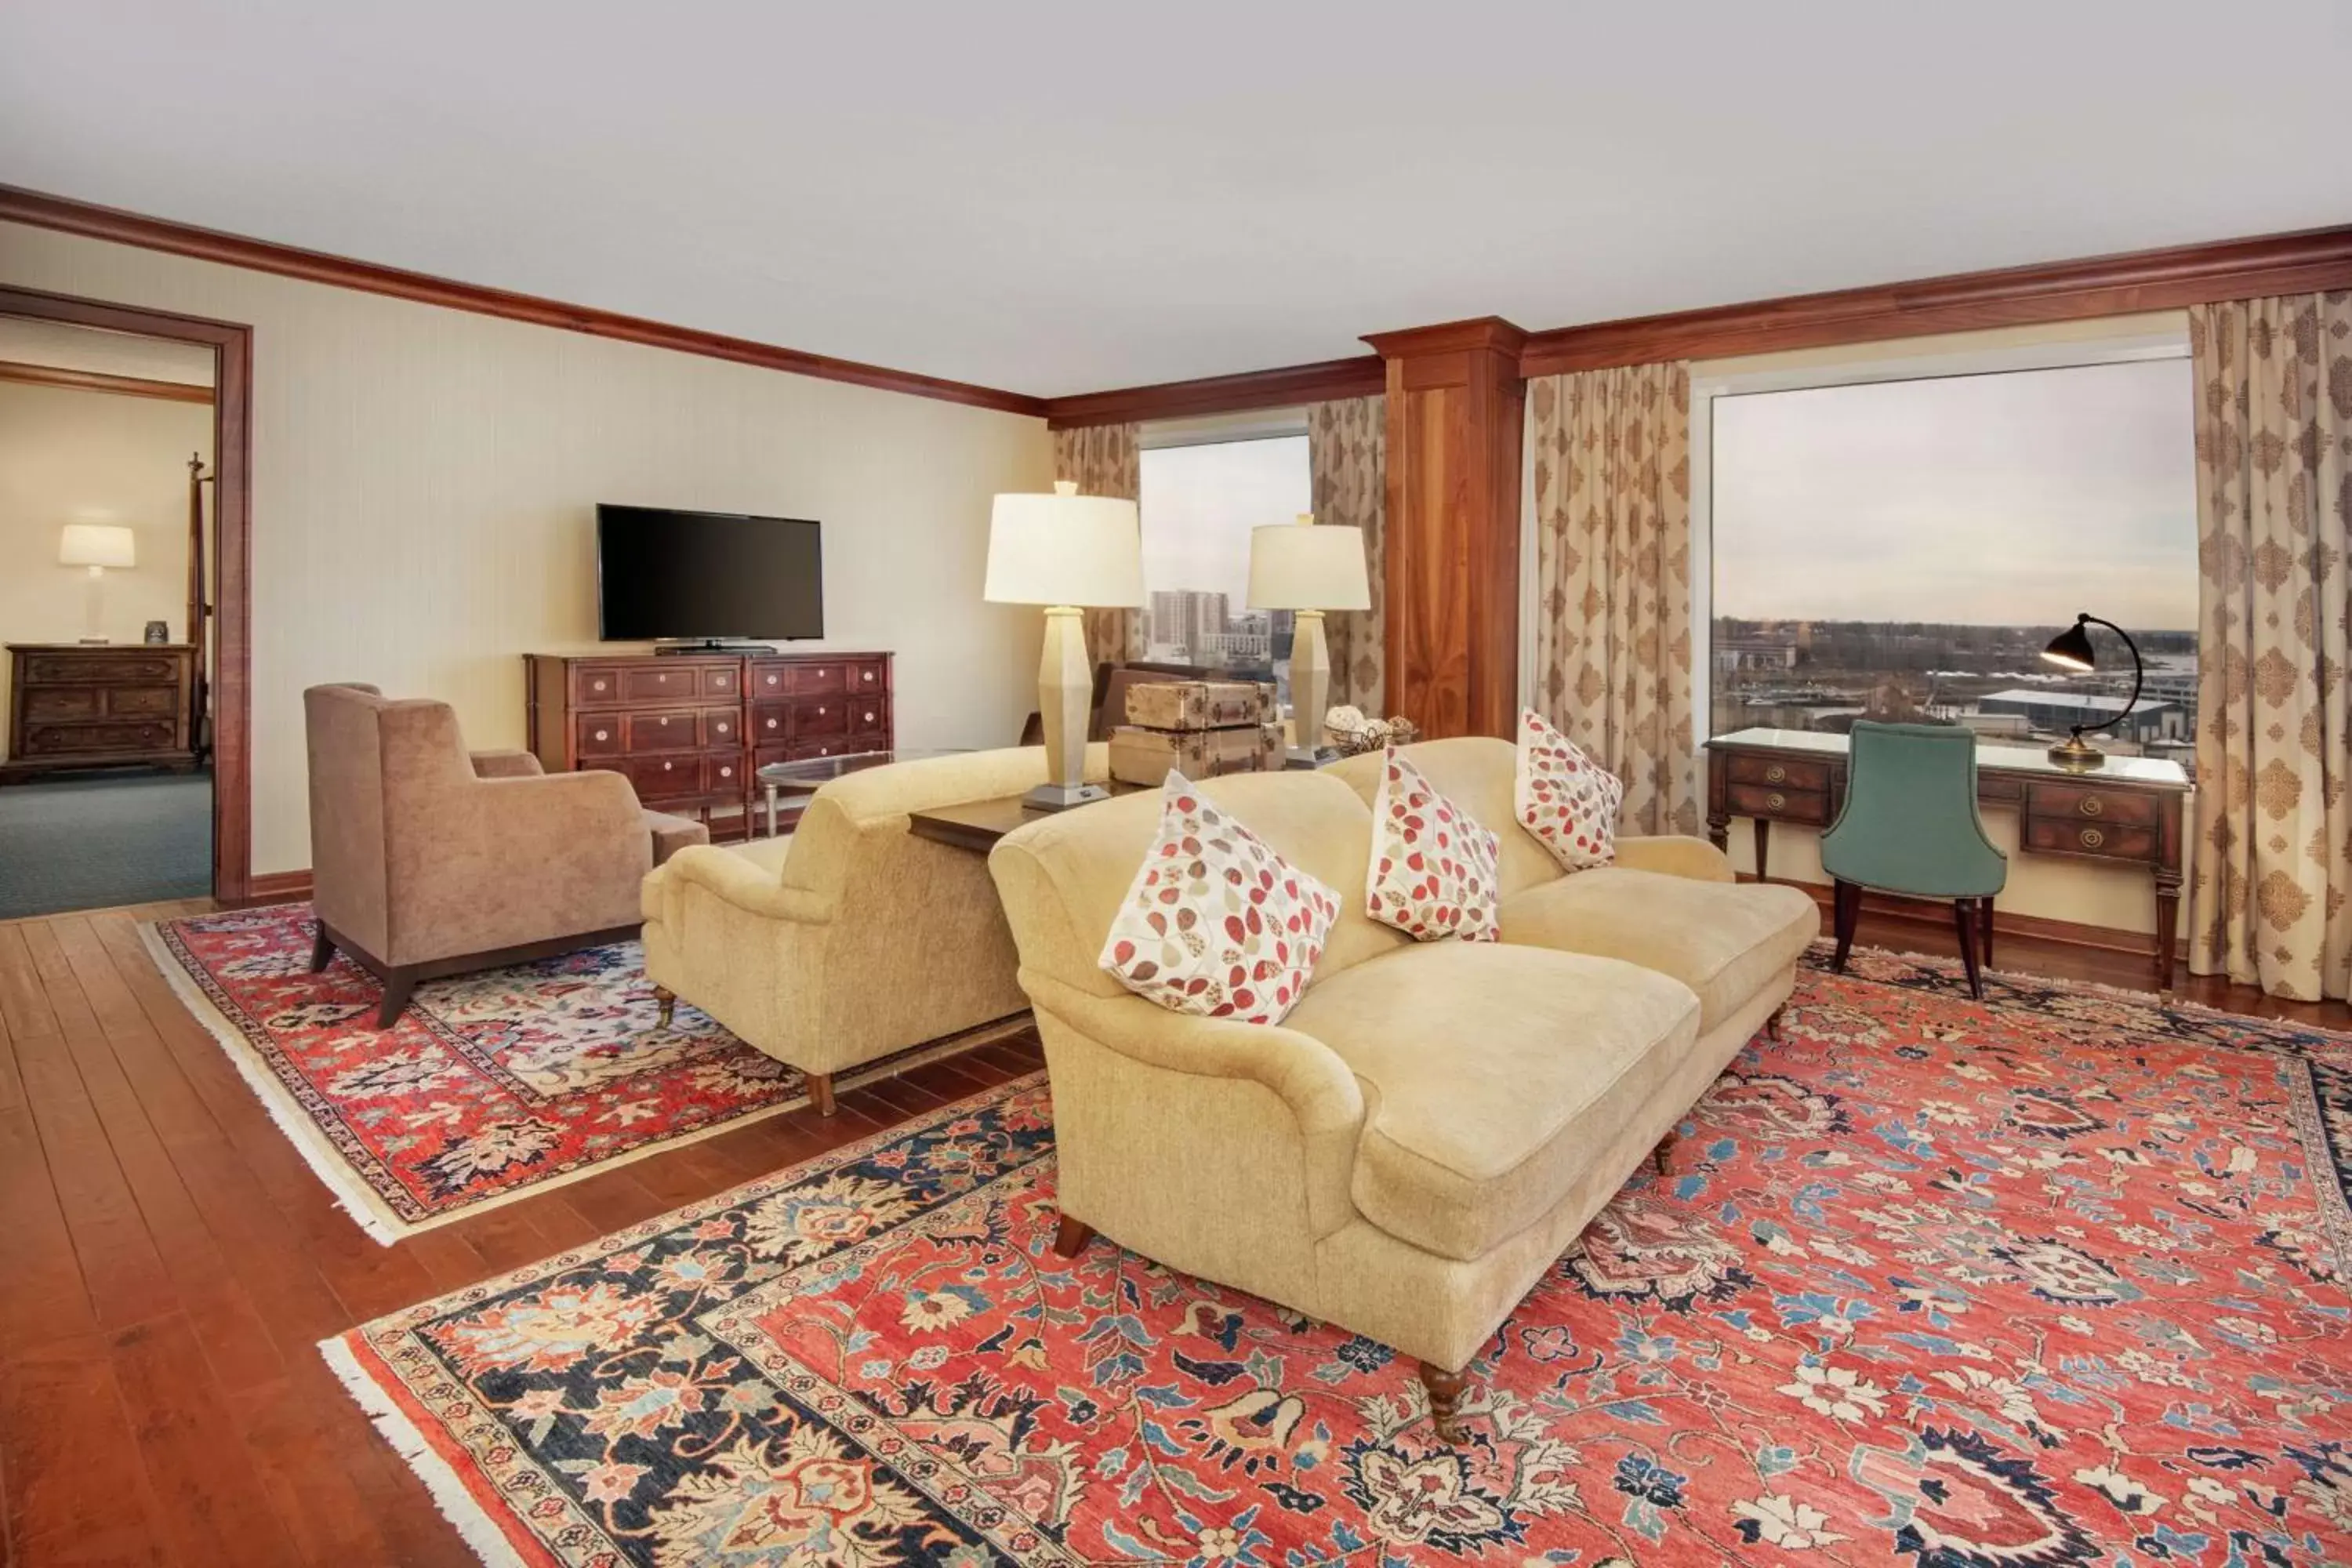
(1433, 872)
(1565, 798)
(1216, 923)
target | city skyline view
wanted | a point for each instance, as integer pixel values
(1199, 506)
(2015, 499)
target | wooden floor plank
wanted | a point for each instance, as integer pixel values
(196, 1460)
(77, 1488)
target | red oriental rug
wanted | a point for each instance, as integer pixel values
(490, 1086)
(2052, 1279)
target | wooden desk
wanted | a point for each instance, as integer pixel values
(2128, 811)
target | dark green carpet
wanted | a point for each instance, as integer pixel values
(90, 841)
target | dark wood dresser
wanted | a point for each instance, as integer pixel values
(691, 730)
(98, 705)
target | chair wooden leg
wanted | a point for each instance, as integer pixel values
(1964, 923)
(1072, 1237)
(1444, 1400)
(1984, 920)
(820, 1088)
(668, 999)
(322, 949)
(398, 987)
(1772, 1023)
(1845, 913)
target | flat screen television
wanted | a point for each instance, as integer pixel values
(667, 575)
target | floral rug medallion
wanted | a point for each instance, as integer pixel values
(490, 1086)
(2048, 1281)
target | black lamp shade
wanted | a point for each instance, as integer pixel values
(2072, 647)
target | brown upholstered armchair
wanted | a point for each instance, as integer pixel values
(427, 861)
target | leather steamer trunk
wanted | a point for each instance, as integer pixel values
(1201, 704)
(1143, 756)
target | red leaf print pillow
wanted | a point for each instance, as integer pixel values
(1564, 798)
(1433, 870)
(1247, 926)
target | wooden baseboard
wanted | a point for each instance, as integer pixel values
(1937, 912)
(276, 888)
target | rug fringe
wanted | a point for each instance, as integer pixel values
(472, 1521)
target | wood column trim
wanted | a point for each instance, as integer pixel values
(1455, 407)
(102, 381)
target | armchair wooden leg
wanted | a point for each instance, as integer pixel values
(820, 1088)
(668, 999)
(322, 949)
(1072, 1237)
(1845, 913)
(398, 987)
(1444, 1400)
(1964, 923)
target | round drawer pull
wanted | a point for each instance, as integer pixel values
(1776, 801)
(2090, 806)
(820, 712)
(867, 675)
(2091, 838)
(727, 773)
(772, 680)
(1776, 774)
(869, 717)
(603, 734)
(599, 685)
(665, 723)
(722, 729)
(772, 724)
(667, 766)
(820, 670)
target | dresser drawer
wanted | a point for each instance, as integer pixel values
(824, 675)
(661, 681)
(665, 778)
(2107, 840)
(1780, 772)
(2073, 803)
(722, 773)
(99, 739)
(598, 735)
(771, 678)
(839, 746)
(722, 728)
(869, 717)
(64, 701)
(599, 685)
(1810, 807)
(827, 715)
(143, 702)
(772, 722)
(111, 669)
(867, 675)
(671, 730)
(722, 680)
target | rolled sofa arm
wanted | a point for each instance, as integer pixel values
(1675, 855)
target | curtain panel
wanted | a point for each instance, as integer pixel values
(1613, 570)
(1346, 445)
(1106, 461)
(2268, 899)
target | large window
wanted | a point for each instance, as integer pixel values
(1200, 502)
(1902, 549)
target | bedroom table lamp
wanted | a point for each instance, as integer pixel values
(1308, 568)
(2071, 649)
(98, 545)
(1065, 551)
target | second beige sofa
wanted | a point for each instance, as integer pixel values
(1433, 1124)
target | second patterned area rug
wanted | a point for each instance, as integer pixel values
(489, 1087)
(2054, 1279)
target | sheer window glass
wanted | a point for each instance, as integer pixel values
(1200, 502)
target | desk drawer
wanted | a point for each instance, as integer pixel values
(1780, 772)
(2075, 803)
(2106, 840)
(1799, 806)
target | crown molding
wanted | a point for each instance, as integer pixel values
(2122, 285)
(1362, 376)
(100, 381)
(68, 217)
(1488, 333)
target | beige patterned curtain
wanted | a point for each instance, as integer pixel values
(1612, 564)
(1346, 445)
(1106, 461)
(2268, 903)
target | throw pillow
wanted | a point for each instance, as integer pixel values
(1433, 872)
(1565, 798)
(1217, 923)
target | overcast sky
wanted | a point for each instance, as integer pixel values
(1201, 502)
(2010, 499)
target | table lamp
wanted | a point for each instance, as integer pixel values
(98, 545)
(2071, 649)
(1308, 569)
(1064, 550)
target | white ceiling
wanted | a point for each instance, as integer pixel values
(1058, 198)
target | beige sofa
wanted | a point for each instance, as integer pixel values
(864, 939)
(1433, 1124)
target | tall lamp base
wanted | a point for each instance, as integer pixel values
(1061, 798)
(2077, 755)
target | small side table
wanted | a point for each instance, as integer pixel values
(810, 775)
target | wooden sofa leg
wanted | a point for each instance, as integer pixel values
(820, 1088)
(1772, 1023)
(1071, 1238)
(668, 999)
(399, 985)
(322, 949)
(1663, 1153)
(1444, 1400)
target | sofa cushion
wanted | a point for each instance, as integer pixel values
(1432, 868)
(1565, 798)
(1725, 941)
(1493, 1076)
(1216, 922)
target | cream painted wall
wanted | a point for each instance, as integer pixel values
(425, 482)
(94, 457)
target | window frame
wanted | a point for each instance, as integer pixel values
(1226, 430)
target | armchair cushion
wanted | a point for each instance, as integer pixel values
(1725, 942)
(1489, 1071)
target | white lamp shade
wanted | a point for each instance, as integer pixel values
(98, 544)
(1065, 549)
(1300, 566)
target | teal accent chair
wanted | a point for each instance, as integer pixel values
(1910, 826)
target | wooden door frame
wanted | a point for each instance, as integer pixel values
(232, 683)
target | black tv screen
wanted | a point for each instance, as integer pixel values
(663, 574)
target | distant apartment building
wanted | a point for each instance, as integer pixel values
(1184, 622)
(1764, 654)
